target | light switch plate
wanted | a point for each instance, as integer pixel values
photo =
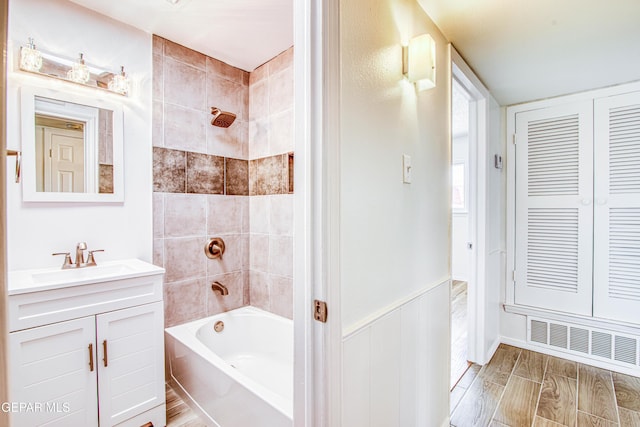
(406, 169)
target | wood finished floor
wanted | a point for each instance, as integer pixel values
(178, 413)
(521, 388)
(459, 362)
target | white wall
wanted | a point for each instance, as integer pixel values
(394, 237)
(122, 230)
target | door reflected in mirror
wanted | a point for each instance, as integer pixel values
(72, 148)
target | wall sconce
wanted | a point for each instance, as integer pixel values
(30, 57)
(119, 83)
(419, 61)
(79, 71)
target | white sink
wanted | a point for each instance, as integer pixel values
(24, 281)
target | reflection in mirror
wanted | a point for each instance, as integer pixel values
(72, 147)
(62, 162)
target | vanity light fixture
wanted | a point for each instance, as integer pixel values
(120, 82)
(79, 71)
(419, 61)
(30, 57)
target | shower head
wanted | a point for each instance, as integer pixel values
(221, 118)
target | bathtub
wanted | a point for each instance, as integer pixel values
(240, 376)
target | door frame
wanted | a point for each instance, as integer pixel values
(4, 334)
(317, 346)
(477, 351)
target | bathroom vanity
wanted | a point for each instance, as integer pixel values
(86, 346)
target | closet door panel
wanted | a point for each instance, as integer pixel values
(617, 208)
(554, 212)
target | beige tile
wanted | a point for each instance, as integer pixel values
(531, 365)
(157, 124)
(259, 252)
(518, 404)
(184, 301)
(259, 290)
(105, 183)
(185, 215)
(235, 256)
(184, 54)
(588, 420)
(501, 364)
(158, 215)
(558, 400)
(281, 296)
(259, 100)
(158, 252)
(158, 78)
(217, 303)
(478, 405)
(184, 85)
(259, 138)
(269, 175)
(184, 128)
(566, 368)
(205, 174)
(184, 259)
(228, 142)
(225, 70)
(157, 44)
(237, 177)
(281, 91)
(595, 392)
(228, 96)
(260, 214)
(627, 390)
(246, 212)
(226, 215)
(281, 133)
(281, 215)
(169, 170)
(629, 418)
(281, 61)
(281, 256)
(260, 73)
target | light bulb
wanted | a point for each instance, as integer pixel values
(30, 57)
(120, 83)
(79, 72)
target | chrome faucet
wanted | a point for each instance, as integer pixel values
(219, 287)
(79, 262)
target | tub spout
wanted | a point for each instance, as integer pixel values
(219, 287)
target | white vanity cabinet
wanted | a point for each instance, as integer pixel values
(89, 354)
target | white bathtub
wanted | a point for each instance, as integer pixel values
(241, 376)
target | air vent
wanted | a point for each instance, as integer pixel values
(588, 342)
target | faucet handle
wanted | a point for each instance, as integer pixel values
(90, 259)
(67, 259)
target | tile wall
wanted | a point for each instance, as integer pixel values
(205, 181)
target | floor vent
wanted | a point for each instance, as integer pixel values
(598, 344)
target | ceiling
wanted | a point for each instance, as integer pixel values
(521, 49)
(242, 33)
(532, 49)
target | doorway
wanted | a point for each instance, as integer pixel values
(461, 239)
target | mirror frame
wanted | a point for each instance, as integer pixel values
(28, 110)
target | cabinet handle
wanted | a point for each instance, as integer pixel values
(91, 357)
(104, 350)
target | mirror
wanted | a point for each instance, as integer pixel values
(72, 148)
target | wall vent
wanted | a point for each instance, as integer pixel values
(599, 344)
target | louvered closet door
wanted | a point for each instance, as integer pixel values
(617, 208)
(554, 212)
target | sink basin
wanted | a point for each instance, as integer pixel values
(24, 281)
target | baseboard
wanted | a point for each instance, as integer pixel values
(492, 349)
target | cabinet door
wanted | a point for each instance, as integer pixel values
(617, 208)
(130, 362)
(554, 212)
(50, 368)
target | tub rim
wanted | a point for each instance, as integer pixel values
(186, 333)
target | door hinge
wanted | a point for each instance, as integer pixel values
(513, 275)
(320, 311)
(514, 139)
